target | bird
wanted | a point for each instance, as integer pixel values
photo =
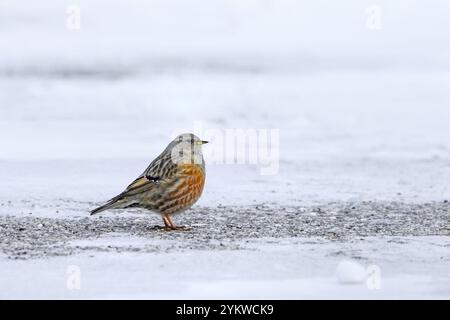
(171, 184)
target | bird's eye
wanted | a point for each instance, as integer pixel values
(192, 140)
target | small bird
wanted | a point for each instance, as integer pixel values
(172, 183)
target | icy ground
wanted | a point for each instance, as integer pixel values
(364, 165)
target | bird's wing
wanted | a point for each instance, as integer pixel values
(139, 182)
(160, 173)
(161, 169)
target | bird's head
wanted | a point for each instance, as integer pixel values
(187, 148)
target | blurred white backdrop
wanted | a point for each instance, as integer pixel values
(358, 90)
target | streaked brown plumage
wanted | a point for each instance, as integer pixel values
(172, 183)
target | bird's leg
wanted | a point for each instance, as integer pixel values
(167, 223)
(173, 226)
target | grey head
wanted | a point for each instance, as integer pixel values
(186, 149)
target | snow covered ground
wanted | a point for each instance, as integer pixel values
(294, 268)
(362, 112)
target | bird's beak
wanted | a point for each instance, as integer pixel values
(204, 142)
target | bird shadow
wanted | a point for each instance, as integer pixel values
(162, 228)
(155, 228)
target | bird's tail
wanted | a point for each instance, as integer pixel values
(120, 201)
(112, 204)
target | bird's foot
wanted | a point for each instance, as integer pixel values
(177, 228)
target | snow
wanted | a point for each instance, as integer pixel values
(363, 115)
(292, 269)
(351, 272)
